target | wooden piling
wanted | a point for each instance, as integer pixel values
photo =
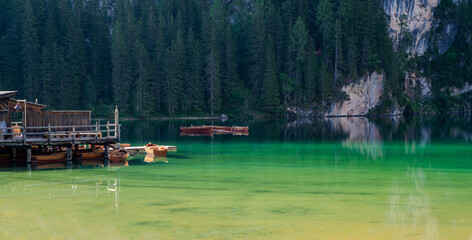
(28, 155)
(13, 156)
(107, 154)
(69, 154)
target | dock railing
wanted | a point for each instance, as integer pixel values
(59, 134)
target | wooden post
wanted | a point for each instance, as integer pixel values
(73, 135)
(117, 122)
(97, 129)
(49, 134)
(13, 156)
(69, 155)
(107, 154)
(108, 129)
(24, 135)
(28, 155)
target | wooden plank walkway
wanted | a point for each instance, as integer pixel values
(60, 135)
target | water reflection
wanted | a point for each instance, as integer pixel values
(422, 129)
(411, 210)
(151, 158)
(361, 135)
(367, 136)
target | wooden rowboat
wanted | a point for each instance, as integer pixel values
(196, 130)
(118, 155)
(97, 154)
(155, 150)
(49, 158)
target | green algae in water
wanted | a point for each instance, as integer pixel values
(346, 183)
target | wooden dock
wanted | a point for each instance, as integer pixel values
(64, 134)
(141, 149)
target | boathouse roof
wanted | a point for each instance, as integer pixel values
(7, 94)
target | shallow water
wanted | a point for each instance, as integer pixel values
(330, 179)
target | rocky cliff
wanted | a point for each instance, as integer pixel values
(421, 22)
(364, 95)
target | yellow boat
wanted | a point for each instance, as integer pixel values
(155, 150)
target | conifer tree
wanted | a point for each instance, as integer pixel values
(176, 73)
(144, 97)
(30, 51)
(326, 21)
(122, 71)
(194, 87)
(257, 47)
(299, 46)
(270, 91)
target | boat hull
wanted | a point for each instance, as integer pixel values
(196, 130)
(119, 156)
(49, 158)
(155, 150)
(90, 155)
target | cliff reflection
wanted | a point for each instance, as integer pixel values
(368, 135)
(361, 135)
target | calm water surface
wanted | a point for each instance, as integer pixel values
(324, 179)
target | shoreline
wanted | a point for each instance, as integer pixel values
(169, 118)
(268, 117)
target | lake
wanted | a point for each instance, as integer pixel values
(340, 178)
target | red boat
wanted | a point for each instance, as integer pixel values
(210, 130)
(220, 129)
(197, 130)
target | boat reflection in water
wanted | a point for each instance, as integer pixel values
(213, 130)
(211, 134)
(151, 159)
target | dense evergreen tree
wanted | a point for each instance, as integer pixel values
(270, 90)
(194, 57)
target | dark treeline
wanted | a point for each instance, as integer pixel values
(182, 57)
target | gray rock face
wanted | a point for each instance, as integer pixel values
(416, 85)
(421, 21)
(364, 95)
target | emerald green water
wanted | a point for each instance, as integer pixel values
(330, 179)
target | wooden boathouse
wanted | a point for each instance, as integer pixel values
(41, 129)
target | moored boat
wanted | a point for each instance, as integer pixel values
(97, 154)
(196, 130)
(49, 158)
(155, 150)
(118, 155)
(221, 129)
